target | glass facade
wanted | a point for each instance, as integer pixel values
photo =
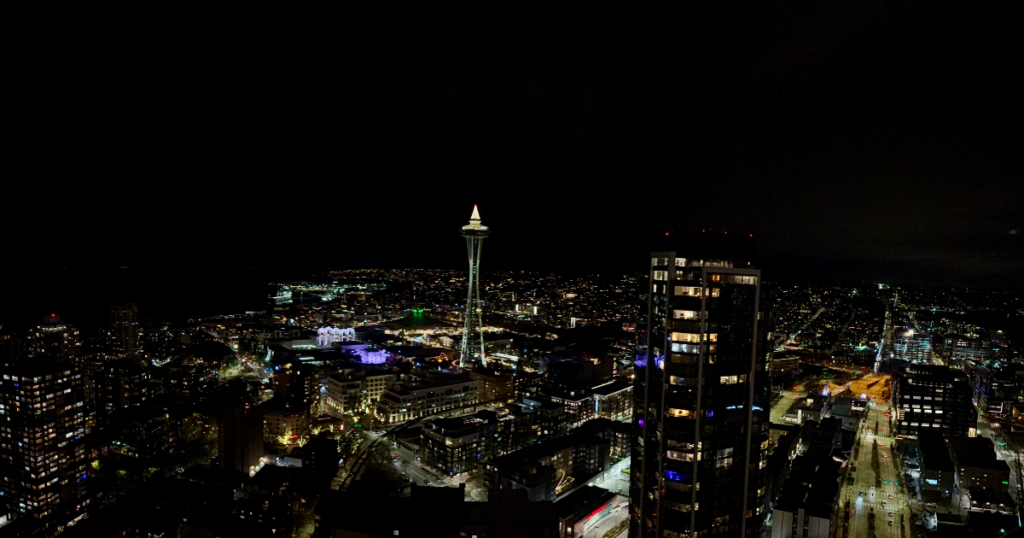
(700, 402)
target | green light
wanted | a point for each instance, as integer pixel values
(1006, 483)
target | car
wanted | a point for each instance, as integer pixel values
(862, 494)
(890, 495)
(890, 523)
(883, 503)
(890, 514)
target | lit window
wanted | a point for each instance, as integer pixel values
(679, 456)
(685, 314)
(688, 291)
(681, 413)
(693, 338)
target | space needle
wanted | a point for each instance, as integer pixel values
(475, 233)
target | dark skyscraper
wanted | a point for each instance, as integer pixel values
(701, 392)
(124, 321)
(42, 446)
(122, 384)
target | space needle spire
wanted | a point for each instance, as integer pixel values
(473, 333)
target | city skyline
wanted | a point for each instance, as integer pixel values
(757, 272)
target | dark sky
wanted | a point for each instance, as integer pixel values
(854, 142)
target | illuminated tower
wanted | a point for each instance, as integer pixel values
(701, 395)
(474, 232)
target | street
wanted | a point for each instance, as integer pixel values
(864, 478)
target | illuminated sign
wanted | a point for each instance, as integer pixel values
(931, 481)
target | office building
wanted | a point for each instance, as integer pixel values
(964, 349)
(42, 446)
(124, 328)
(701, 395)
(911, 346)
(933, 398)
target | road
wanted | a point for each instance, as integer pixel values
(864, 478)
(801, 329)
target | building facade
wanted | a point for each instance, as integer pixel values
(124, 322)
(121, 384)
(933, 398)
(54, 338)
(913, 347)
(701, 395)
(408, 401)
(614, 401)
(43, 453)
(355, 391)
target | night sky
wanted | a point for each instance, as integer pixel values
(855, 144)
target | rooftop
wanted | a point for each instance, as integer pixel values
(934, 451)
(977, 452)
(611, 388)
(584, 500)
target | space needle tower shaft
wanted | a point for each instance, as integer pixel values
(473, 333)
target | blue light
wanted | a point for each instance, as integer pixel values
(673, 476)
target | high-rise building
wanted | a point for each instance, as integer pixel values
(700, 417)
(475, 233)
(124, 321)
(121, 384)
(935, 399)
(52, 337)
(239, 436)
(42, 444)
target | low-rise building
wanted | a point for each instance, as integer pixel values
(938, 474)
(411, 400)
(356, 390)
(497, 384)
(584, 509)
(579, 404)
(457, 445)
(284, 421)
(344, 392)
(977, 466)
(555, 467)
(614, 401)
(814, 407)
